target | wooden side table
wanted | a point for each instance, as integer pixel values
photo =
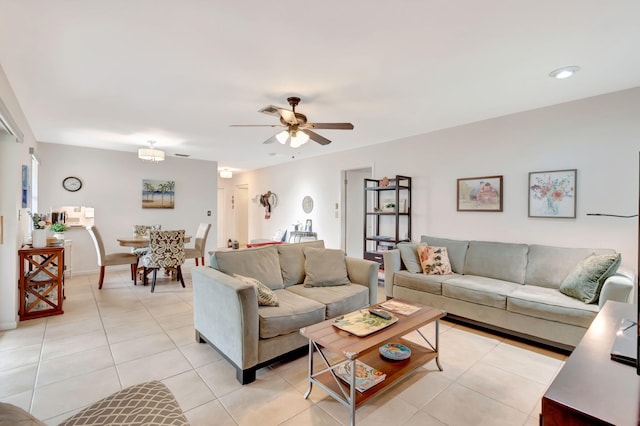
(41, 289)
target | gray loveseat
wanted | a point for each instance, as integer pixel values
(226, 310)
(512, 288)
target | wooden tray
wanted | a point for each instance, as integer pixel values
(362, 323)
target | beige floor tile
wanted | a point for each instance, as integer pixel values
(154, 367)
(20, 356)
(72, 344)
(69, 328)
(394, 411)
(539, 367)
(28, 333)
(422, 419)
(459, 350)
(66, 395)
(75, 364)
(17, 380)
(220, 376)
(183, 335)
(247, 405)
(177, 320)
(140, 347)
(22, 400)
(132, 330)
(477, 409)
(118, 318)
(170, 309)
(509, 388)
(204, 415)
(421, 387)
(312, 416)
(154, 300)
(189, 389)
(200, 354)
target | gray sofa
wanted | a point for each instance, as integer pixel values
(226, 310)
(512, 288)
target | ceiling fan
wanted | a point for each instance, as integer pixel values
(298, 129)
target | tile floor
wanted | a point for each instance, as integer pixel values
(121, 335)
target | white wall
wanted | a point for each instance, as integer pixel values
(599, 136)
(112, 184)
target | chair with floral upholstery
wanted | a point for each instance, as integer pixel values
(166, 250)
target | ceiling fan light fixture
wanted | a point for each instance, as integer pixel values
(298, 139)
(283, 136)
(226, 174)
(564, 72)
(151, 154)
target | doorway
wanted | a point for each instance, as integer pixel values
(353, 210)
(240, 207)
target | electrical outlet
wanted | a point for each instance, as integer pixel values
(208, 212)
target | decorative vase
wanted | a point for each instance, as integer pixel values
(39, 238)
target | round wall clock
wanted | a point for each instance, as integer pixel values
(307, 204)
(72, 183)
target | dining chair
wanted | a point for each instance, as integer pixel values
(166, 250)
(197, 251)
(111, 259)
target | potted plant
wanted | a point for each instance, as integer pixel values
(58, 230)
(389, 206)
(39, 234)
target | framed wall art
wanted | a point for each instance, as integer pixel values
(480, 194)
(158, 194)
(553, 194)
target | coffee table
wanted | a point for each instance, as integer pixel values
(348, 348)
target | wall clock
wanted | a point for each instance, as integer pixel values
(72, 184)
(307, 204)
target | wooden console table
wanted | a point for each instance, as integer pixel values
(41, 282)
(591, 388)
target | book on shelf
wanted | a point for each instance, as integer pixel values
(399, 307)
(366, 376)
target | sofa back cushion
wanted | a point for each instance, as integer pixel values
(456, 249)
(292, 261)
(409, 256)
(502, 261)
(325, 267)
(548, 266)
(261, 263)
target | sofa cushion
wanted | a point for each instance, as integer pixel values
(338, 300)
(324, 267)
(586, 280)
(456, 249)
(409, 256)
(292, 261)
(548, 266)
(434, 260)
(260, 263)
(481, 290)
(266, 296)
(293, 313)
(550, 304)
(502, 261)
(428, 283)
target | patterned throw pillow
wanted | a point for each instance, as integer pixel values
(434, 260)
(266, 296)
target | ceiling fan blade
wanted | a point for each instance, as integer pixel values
(272, 139)
(271, 110)
(317, 138)
(287, 115)
(256, 125)
(337, 126)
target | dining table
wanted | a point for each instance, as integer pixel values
(139, 241)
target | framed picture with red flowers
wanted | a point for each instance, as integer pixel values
(480, 194)
(552, 194)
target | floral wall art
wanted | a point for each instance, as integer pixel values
(158, 194)
(553, 194)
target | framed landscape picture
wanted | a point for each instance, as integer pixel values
(553, 194)
(158, 194)
(480, 194)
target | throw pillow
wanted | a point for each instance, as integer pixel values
(324, 267)
(434, 260)
(266, 296)
(409, 256)
(586, 280)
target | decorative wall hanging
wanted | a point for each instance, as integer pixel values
(553, 194)
(158, 194)
(307, 204)
(25, 186)
(480, 194)
(268, 200)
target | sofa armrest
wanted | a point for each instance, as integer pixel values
(619, 287)
(392, 264)
(364, 272)
(225, 312)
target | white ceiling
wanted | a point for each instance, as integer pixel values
(115, 73)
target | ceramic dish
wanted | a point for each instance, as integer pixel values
(395, 351)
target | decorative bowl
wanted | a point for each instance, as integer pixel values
(395, 351)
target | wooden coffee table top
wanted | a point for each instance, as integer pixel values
(351, 346)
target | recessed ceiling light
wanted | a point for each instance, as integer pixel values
(564, 72)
